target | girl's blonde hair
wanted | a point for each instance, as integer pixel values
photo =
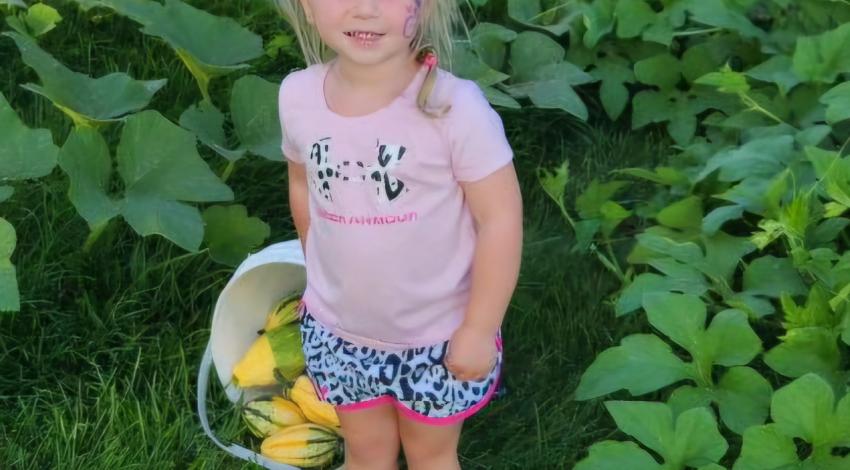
(437, 20)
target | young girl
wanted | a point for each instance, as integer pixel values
(404, 195)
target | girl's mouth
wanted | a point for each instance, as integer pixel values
(364, 38)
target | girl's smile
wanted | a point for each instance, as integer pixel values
(364, 38)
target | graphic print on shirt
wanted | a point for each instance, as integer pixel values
(388, 188)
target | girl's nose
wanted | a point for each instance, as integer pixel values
(367, 8)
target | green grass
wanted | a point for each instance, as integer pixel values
(100, 366)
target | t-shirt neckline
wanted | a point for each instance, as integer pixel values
(407, 93)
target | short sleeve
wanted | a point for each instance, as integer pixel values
(289, 146)
(477, 138)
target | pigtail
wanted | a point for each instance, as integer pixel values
(427, 56)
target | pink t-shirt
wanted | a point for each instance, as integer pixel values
(391, 240)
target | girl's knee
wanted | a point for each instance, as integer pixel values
(446, 460)
(371, 439)
(430, 447)
(365, 455)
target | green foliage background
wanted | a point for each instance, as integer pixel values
(720, 246)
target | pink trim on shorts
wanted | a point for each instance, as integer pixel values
(422, 418)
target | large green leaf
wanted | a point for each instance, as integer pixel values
(641, 364)
(613, 455)
(598, 21)
(837, 101)
(207, 123)
(86, 160)
(632, 296)
(489, 41)
(680, 317)
(555, 20)
(683, 214)
(693, 439)
(730, 340)
(614, 72)
(253, 108)
(550, 87)
(137, 10)
(633, 16)
(467, 64)
(14, 3)
(766, 447)
(531, 51)
(743, 397)
(676, 107)
(805, 408)
(662, 70)
(723, 253)
(760, 157)
(771, 276)
(157, 178)
(86, 100)
(589, 203)
(806, 350)
(209, 45)
(778, 69)
(822, 58)
(24, 153)
(38, 20)
(231, 235)
(722, 14)
(10, 299)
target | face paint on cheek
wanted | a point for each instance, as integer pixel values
(413, 16)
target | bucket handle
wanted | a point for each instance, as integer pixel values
(232, 449)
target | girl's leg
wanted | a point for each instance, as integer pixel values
(371, 438)
(429, 447)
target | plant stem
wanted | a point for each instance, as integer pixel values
(228, 170)
(757, 107)
(695, 32)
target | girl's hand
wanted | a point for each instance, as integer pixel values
(472, 353)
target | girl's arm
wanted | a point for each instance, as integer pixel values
(298, 200)
(496, 205)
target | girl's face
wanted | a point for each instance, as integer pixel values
(367, 32)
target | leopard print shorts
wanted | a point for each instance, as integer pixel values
(351, 377)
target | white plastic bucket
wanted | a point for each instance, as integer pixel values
(256, 286)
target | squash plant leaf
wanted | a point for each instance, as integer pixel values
(207, 123)
(6, 192)
(779, 69)
(489, 41)
(86, 160)
(209, 45)
(804, 350)
(547, 15)
(690, 439)
(231, 234)
(88, 101)
(642, 363)
(14, 3)
(541, 74)
(805, 409)
(614, 455)
(837, 101)
(254, 111)
(24, 153)
(467, 64)
(822, 58)
(157, 178)
(10, 299)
